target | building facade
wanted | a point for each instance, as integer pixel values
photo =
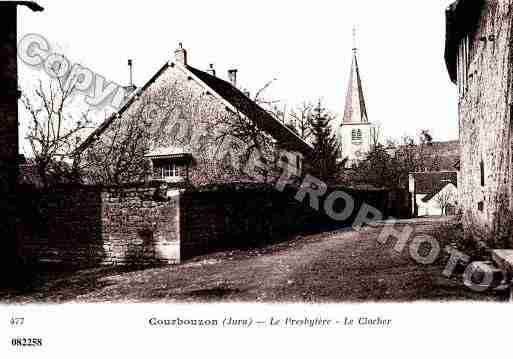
(479, 60)
(433, 193)
(194, 128)
(355, 131)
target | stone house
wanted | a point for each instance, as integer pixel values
(190, 127)
(478, 56)
(433, 193)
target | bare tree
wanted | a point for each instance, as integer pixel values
(55, 128)
(248, 140)
(445, 199)
(242, 134)
(375, 134)
(260, 98)
(301, 119)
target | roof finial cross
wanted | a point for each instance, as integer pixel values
(355, 47)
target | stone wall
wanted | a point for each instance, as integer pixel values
(89, 226)
(149, 224)
(484, 79)
(140, 225)
(61, 225)
(239, 218)
(234, 216)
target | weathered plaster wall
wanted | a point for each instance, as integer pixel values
(485, 127)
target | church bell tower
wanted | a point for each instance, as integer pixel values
(355, 130)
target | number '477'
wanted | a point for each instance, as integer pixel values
(17, 322)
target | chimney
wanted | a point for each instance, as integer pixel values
(232, 76)
(131, 80)
(131, 87)
(181, 55)
(211, 70)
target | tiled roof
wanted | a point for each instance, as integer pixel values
(232, 95)
(439, 156)
(253, 111)
(435, 191)
(428, 182)
(447, 147)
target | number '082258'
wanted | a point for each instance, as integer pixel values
(27, 342)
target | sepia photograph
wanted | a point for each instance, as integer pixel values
(345, 166)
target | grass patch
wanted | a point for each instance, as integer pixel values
(450, 234)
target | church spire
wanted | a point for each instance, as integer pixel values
(355, 111)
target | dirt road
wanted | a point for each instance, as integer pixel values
(339, 266)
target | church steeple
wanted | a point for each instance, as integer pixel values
(355, 111)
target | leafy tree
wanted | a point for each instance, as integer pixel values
(379, 168)
(390, 166)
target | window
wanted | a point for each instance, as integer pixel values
(467, 50)
(482, 172)
(298, 162)
(167, 170)
(356, 135)
(463, 65)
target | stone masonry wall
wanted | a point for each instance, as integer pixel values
(485, 127)
(87, 226)
(62, 225)
(238, 217)
(140, 225)
(148, 224)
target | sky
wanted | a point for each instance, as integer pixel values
(304, 45)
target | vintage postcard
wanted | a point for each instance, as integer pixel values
(192, 178)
